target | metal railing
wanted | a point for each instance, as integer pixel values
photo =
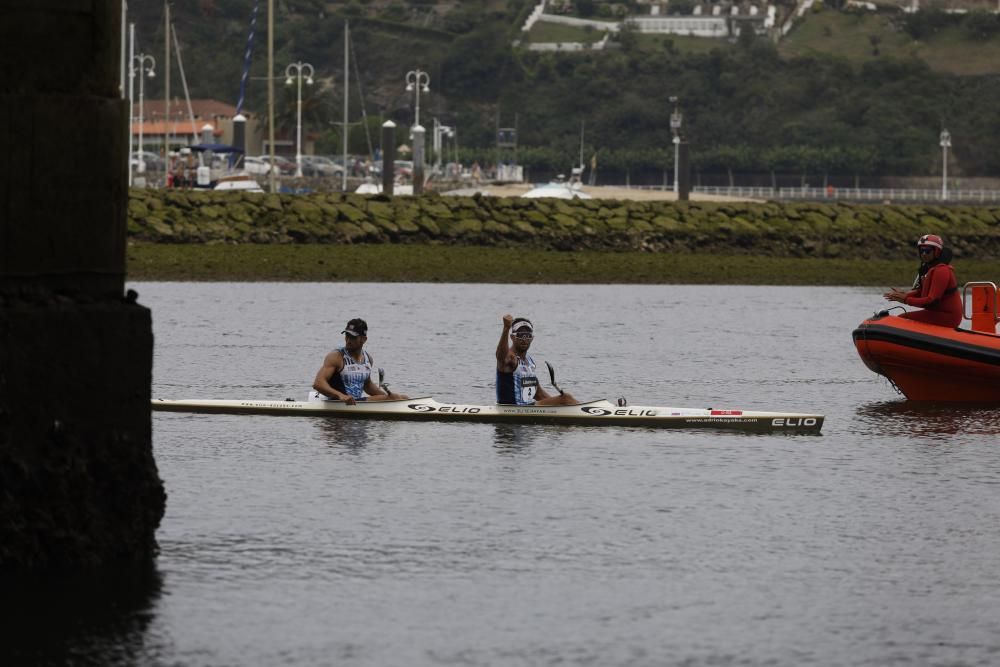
(981, 196)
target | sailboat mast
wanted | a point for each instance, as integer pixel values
(166, 81)
(347, 79)
(184, 84)
(270, 93)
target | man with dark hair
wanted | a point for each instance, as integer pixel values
(517, 380)
(346, 372)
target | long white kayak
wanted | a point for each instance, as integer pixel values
(595, 413)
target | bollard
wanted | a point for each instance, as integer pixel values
(684, 171)
(419, 134)
(388, 157)
(239, 139)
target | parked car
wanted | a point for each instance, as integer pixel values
(284, 165)
(153, 161)
(257, 166)
(319, 165)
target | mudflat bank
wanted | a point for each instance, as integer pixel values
(768, 229)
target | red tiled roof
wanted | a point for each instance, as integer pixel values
(206, 109)
(176, 129)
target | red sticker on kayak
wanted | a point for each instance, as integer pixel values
(727, 412)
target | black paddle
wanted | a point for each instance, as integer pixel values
(552, 378)
(381, 377)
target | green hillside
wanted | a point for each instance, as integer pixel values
(849, 94)
(864, 37)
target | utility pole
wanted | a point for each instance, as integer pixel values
(270, 93)
(166, 82)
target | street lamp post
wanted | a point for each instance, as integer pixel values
(417, 80)
(675, 127)
(945, 145)
(299, 68)
(141, 64)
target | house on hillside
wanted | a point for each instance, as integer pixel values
(181, 127)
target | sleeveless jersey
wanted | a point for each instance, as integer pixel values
(353, 376)
(519, 386)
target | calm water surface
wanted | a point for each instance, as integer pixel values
(311, 542)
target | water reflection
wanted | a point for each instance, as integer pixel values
(349, 435)
(513, 438)
(97, 618)
(931, 419)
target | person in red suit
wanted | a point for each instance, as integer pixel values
(935, 290)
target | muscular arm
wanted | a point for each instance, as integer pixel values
(504, 361)
(332, 364)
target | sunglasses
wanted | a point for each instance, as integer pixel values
(925, 251)
(352, 335)
(524, 335)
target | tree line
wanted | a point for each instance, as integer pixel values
(745, 108)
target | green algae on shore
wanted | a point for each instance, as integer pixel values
(475, 264)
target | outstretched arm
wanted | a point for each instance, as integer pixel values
(503, 347)
(332, 364)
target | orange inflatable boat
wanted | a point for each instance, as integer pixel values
(933, 363)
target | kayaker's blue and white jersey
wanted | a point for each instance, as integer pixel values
(353, 377)
(519, 386)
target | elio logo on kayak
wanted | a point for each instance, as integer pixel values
(422, 407)
(794, 421)
(622, 412)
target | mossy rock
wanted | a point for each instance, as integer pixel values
(238, 213)
(437, 210)
(307, 211)
(466, 227)
(565, 221)
(271, 202)
(348, 231)
(536, 218)
(381, 209)
(352, 214)
(211, 212)
(641, 226)
(407, 226)
(618, 223)
(429, 226)
(387, 225)
(818, 221)
(137, 208)
(525, 228)
(496, 229)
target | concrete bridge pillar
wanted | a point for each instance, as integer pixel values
(78, 483)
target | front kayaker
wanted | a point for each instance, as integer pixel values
(346, 374)
(517, 377)
(935, 289)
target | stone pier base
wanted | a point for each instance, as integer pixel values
(78, 483)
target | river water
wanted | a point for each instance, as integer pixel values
(311, 542)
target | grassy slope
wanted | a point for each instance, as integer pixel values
(432, 263)
(847, 36)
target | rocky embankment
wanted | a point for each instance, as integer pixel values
(771, 229)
